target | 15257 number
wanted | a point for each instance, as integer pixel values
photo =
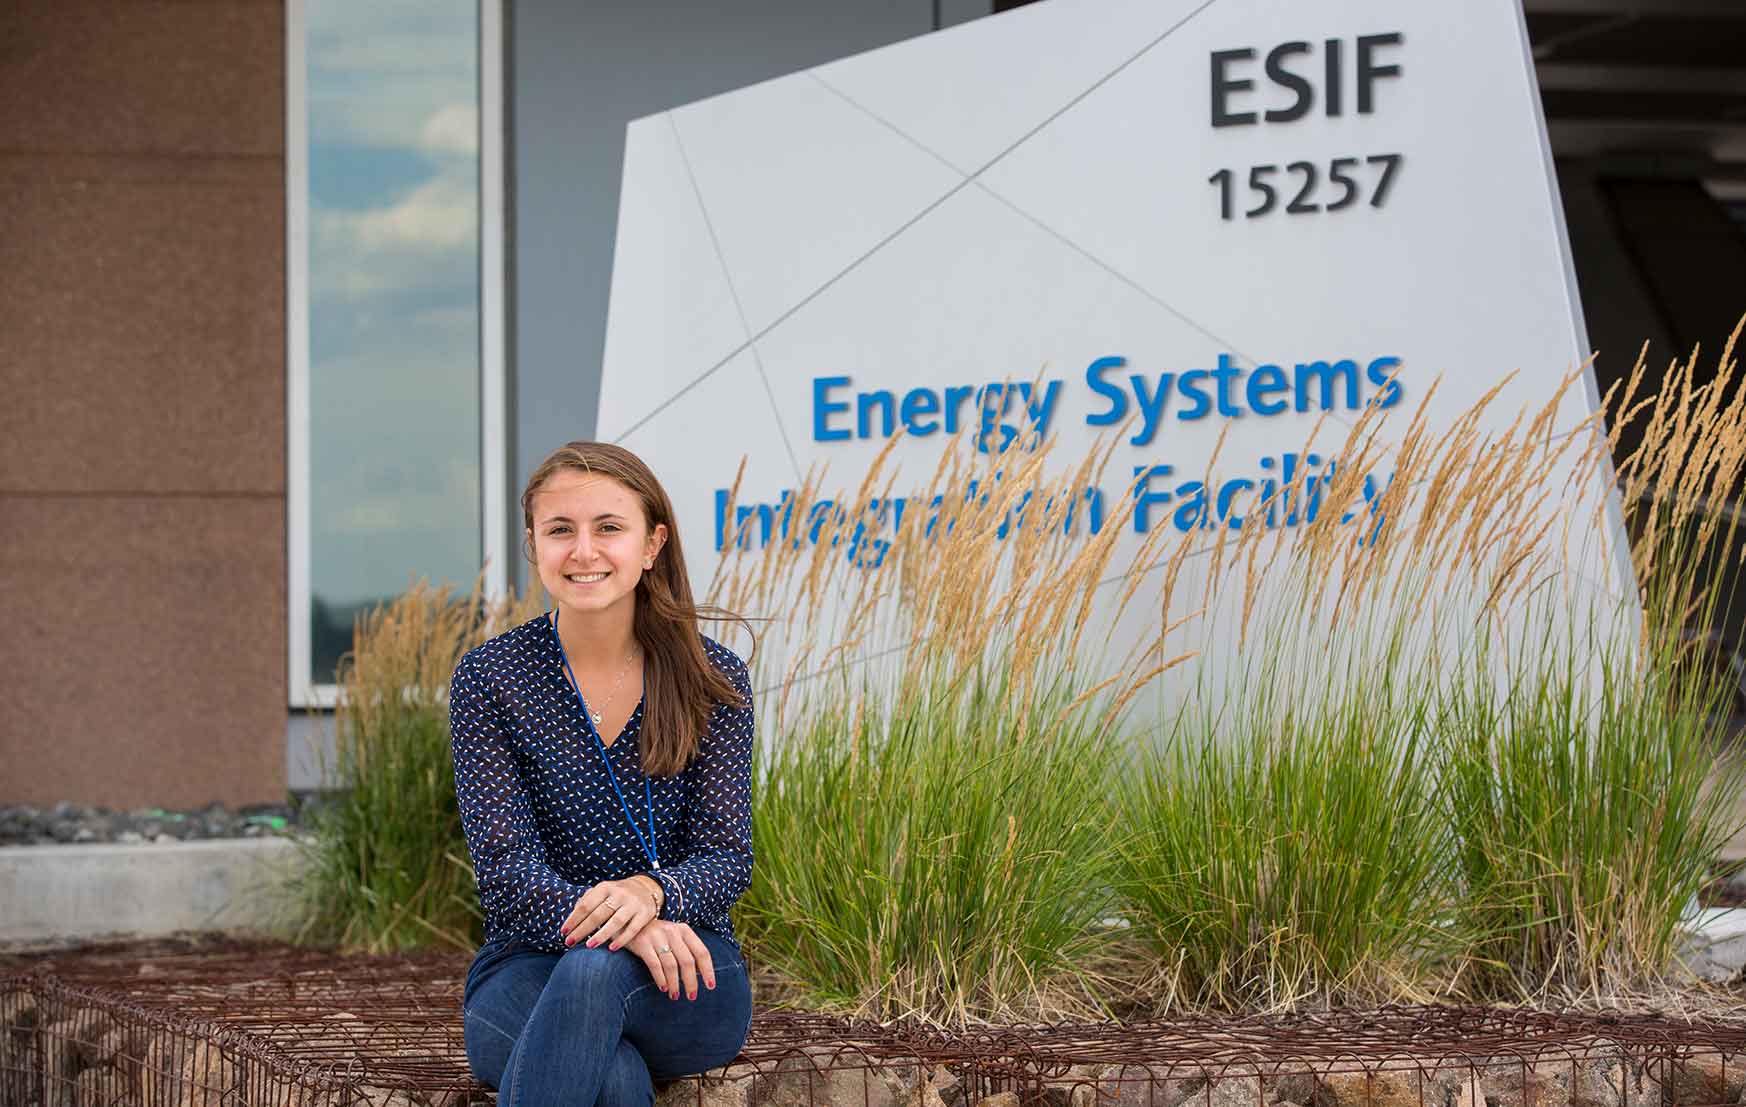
(1303, 183)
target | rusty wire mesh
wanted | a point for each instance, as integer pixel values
(252, 1025)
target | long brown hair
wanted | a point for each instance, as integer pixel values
(680, 685)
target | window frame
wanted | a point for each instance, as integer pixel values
(302, 691)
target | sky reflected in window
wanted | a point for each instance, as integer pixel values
(394, 305)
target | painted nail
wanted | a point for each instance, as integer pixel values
(691, 994)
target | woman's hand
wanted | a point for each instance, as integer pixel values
(676, 957)
(613, 911)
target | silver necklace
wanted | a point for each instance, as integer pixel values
(594, 715)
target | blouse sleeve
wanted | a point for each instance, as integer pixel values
(719, 799)
(516, 881)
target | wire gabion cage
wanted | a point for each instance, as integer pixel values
(244, 1024)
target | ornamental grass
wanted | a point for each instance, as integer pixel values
(386, 865)
(1398, 753)
(1416, 748)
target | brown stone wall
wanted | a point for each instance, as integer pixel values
(142, 401)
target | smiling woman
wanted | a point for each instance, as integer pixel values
(389, 359)
(600, 910)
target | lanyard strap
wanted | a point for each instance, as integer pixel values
(648, 843)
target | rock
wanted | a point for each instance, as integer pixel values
(217, 826)
(1080, 1086)
(20, 1051)
(1708, 1079)
(18, 1010)
(123, 1049)
(64, 810)
(100, 1085)
(18, 1071)
(821, 1074)
(1237, 1091)
(914, 1085)
(130, 837)
(1734, 884)
(999, 1099)
(1300, 1089)
(92, 1039)
(947, 1087)
(1392, 1084)
(186, 1072)
(1614, 1081)
(61, 1040)
(64, 830)
(1140, 1086)
(165, 840)
(1516, 1083)
(707, 1091)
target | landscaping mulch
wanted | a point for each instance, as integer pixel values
(69, 823)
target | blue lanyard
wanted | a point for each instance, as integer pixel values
(648, 843)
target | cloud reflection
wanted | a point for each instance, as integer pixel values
(393, 128)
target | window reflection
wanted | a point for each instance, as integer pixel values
(393, 99)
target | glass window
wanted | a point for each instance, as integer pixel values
(392, 98)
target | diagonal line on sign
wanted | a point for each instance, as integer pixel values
(739, 309)
(807, 299)
(1051, 231)
(913, 220)
(1093, 87)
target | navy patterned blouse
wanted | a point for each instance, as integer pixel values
(541, 817)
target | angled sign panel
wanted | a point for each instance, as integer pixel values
(1214, 218)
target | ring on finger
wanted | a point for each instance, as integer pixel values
(664, 949)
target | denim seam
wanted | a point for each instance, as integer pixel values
(725, 968)
(466, 1014)
(624, 1008)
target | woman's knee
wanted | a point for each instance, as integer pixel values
(598, 975)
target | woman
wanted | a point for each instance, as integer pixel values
(603, 767)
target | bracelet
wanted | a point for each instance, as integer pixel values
(678, 891)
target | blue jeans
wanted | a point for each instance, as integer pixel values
(588, 1027)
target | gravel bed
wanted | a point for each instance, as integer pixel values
(78, 824)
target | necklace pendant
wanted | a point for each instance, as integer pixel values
(595, 716)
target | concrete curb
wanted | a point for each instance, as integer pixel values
(85, 891)
(1714, 945)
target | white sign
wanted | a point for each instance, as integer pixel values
(1229, 217)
